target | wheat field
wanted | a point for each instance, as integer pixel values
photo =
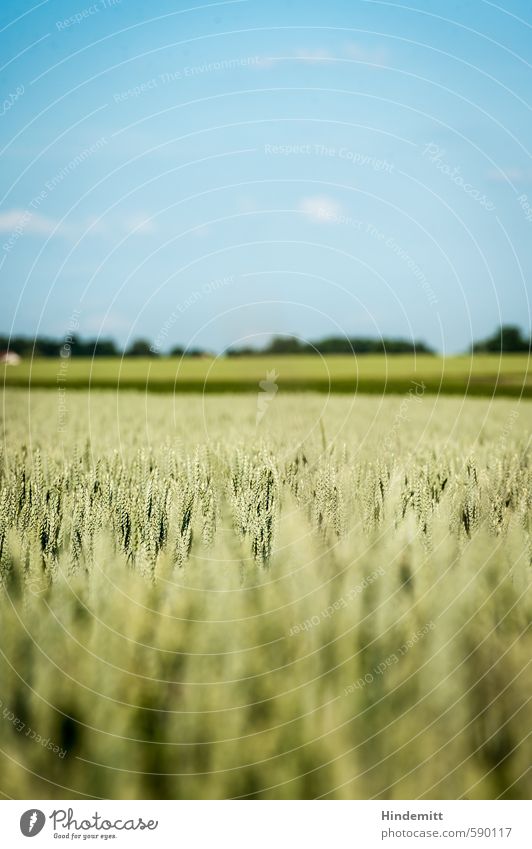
(286, 596)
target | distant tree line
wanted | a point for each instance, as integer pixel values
(43, 346)
(73, 346)
(508, 339)
(334, 345)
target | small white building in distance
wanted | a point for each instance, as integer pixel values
(9, 358)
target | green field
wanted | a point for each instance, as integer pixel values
(486, 374)
(313, 597)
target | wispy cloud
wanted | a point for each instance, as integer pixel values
(362, 53)
(137, 223)
(377, 56)
(18, 222)
(313, 54)
(264, 63)
(140, 223)
(95, 226)
(320, 208)
(351, 50)
(201, 232)
(24, 220)
(514, 175)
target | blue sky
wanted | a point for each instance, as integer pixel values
(211, 174)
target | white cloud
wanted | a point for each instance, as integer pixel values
(320, 208)
(95, 226)
(316, 54)
(18, 222)
(247, 203)
(140, 223)
(264, 63)
(26, 221)
(514, 175)
(201, 232)
(372, 55)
